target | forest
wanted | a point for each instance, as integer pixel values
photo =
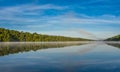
(114, 38)
(7, 35)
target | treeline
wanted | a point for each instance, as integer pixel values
(115, 38)
(13, 35)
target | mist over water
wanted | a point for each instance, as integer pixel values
(90, 56)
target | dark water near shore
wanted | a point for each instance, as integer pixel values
(60, 57)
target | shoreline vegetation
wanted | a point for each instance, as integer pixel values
(7, 35)
(114, 38)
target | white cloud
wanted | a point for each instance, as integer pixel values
(29, 9)
(16, 14)
(65, 20)
(47, 6)
(84, 19)
(38, 26)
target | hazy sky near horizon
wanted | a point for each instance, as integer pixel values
(94, 19)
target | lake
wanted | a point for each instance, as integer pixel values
(60, 56)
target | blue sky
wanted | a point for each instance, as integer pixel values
(94, 19)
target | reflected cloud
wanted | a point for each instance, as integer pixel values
(88, 48)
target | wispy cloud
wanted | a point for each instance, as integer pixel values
(86, 33)
(29, 9)
(17, 14)
(26, 14)
(83, 19)
(36, 17)
(65, 20)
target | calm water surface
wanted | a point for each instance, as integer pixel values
(60, 57)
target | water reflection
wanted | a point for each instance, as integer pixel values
(12, 48)
(117, 45)
(52, 57)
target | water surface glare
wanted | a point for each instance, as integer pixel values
(60, 57)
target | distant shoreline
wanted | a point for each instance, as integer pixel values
(66, 42)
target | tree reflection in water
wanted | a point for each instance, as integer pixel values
(16, 47)
(117, 45)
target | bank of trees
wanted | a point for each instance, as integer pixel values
(115, 38)
(13, 35)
